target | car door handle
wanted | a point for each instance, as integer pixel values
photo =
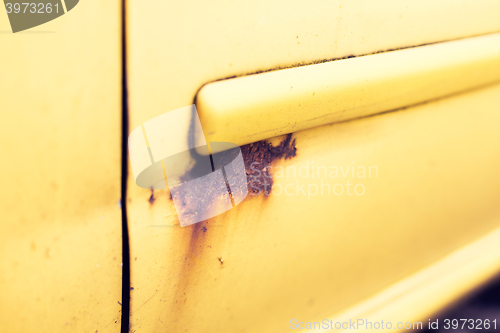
(256, 107)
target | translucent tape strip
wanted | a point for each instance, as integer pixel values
(171, 149)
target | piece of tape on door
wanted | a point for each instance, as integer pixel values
(170, 151)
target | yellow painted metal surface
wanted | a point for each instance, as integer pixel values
(306, 255)
(416, 299)
(257, 107)
(60, 223)
(179, 46)
(293, 256)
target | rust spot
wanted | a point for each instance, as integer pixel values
(198, 245)
(258, 157)
(152, 197)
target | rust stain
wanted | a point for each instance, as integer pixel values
(152, 197)
(258, 157)
(196, 246)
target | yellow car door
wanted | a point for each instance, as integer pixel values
(401, 93)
